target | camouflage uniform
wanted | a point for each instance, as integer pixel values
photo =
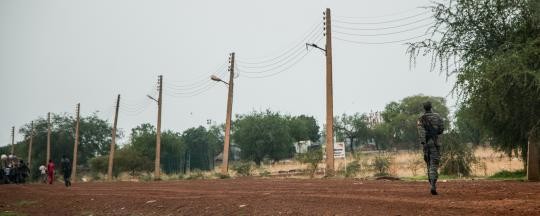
(430, 145)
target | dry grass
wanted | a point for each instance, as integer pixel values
(410, 163)
(403, 164)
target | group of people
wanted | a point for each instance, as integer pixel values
(13, 170)
(47, 172)
(16, 171)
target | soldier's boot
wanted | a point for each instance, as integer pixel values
(433, 183)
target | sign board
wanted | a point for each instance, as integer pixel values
(339, 150)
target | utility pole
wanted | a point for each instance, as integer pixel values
(74, 165)
(225, 167)
(329, 97)
(29, 160)
(113, 140)
(48, 138)
(12, 140)
(158, 134)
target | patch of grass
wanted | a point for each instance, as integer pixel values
(415, 178)
(195, 174)
(87, 213)
(25, 203)
(518, 175)
(243, 168)
(264, 173)
(423, 177)
(221, 176)
(11, 213)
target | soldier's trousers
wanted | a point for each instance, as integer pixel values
(432, 158)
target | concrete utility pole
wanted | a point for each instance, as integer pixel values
(76, 145)
(12, 140)
(158, 134)
(48, 138)
(226, 144)
(29, 160)
(329, 97)
(113, 140)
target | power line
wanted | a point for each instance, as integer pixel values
(288, 57)
(310, 33)
(382, 28)
(190, 91)
(380, 22)
(193, 94)
(383, 42)
(382, 34)
(284, 69)
(297, 54)
(381, 16)
(198, 80)
(197, 85)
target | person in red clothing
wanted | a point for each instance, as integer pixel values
(50, 171)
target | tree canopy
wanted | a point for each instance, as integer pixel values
(493, 46)
(352, 127)
(263, 134)
(399, 127)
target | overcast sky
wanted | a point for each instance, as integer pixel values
(57, 53)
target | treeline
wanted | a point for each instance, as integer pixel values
(258, 135)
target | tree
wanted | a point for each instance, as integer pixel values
(143, 140)
(95, 138)
(173, 151)
(467, 128)
(303, 128)
(400, 119)
(126, 159)
(216, 136)
(263, 134)
(383, 136)
(173, 147)
(495, 45)
(353, 127)
(199, 148)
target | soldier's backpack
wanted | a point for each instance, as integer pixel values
(432, 129)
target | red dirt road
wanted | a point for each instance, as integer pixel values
(273, 197)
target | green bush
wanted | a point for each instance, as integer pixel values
(353, 168)
(457, 157)
(415, 163)
(195, 174)
(244, 168)
(313, 157)
(381, 164)
(518, 174)
(221, 176)
(264, 173)
(145, 177)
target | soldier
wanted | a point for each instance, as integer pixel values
(430, 125)
(66, 170)
(23, 172)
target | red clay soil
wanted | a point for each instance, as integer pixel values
(273, 197)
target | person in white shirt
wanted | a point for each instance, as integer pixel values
(43, 171)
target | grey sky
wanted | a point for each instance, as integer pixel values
(56, 53)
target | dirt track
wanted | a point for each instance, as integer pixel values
(273, 197)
